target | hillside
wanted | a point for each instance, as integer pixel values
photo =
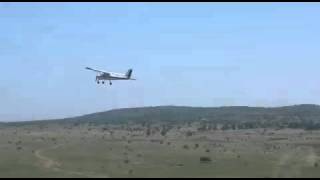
(308, 115)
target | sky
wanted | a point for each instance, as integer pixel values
(190, 54)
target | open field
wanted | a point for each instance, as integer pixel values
(96, 151)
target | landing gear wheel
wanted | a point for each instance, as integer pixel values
(98, 82)
(110, 83)
(102, 82)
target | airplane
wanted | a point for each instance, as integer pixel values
(108, 76)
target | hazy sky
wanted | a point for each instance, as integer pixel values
(195, 54)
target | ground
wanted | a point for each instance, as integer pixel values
(83, 151)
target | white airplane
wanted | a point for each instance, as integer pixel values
(108, 76)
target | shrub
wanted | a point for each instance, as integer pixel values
(205, 159)
(185, 147)
(189, 134)
(196, 146)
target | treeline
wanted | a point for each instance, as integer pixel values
(279, 125)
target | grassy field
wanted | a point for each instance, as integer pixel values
(83, 151)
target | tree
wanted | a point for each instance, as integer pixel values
(148, 133)
(225, 127)
(233, 127)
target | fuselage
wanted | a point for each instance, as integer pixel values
(112, 76)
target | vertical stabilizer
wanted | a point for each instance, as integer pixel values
(129, 73)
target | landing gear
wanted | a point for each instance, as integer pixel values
(103, 81)
(97, 80)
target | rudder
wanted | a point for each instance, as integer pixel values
(129, 73)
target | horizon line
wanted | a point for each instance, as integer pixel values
(155, 106)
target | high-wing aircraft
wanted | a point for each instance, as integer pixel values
(108, 76)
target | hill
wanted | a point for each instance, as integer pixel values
(306, 115)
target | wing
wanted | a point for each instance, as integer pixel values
(95, 70)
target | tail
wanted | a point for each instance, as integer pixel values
(129, 73)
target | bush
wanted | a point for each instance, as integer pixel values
(189, 134)
(196, 146)
(185, 147)
(205, 159)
